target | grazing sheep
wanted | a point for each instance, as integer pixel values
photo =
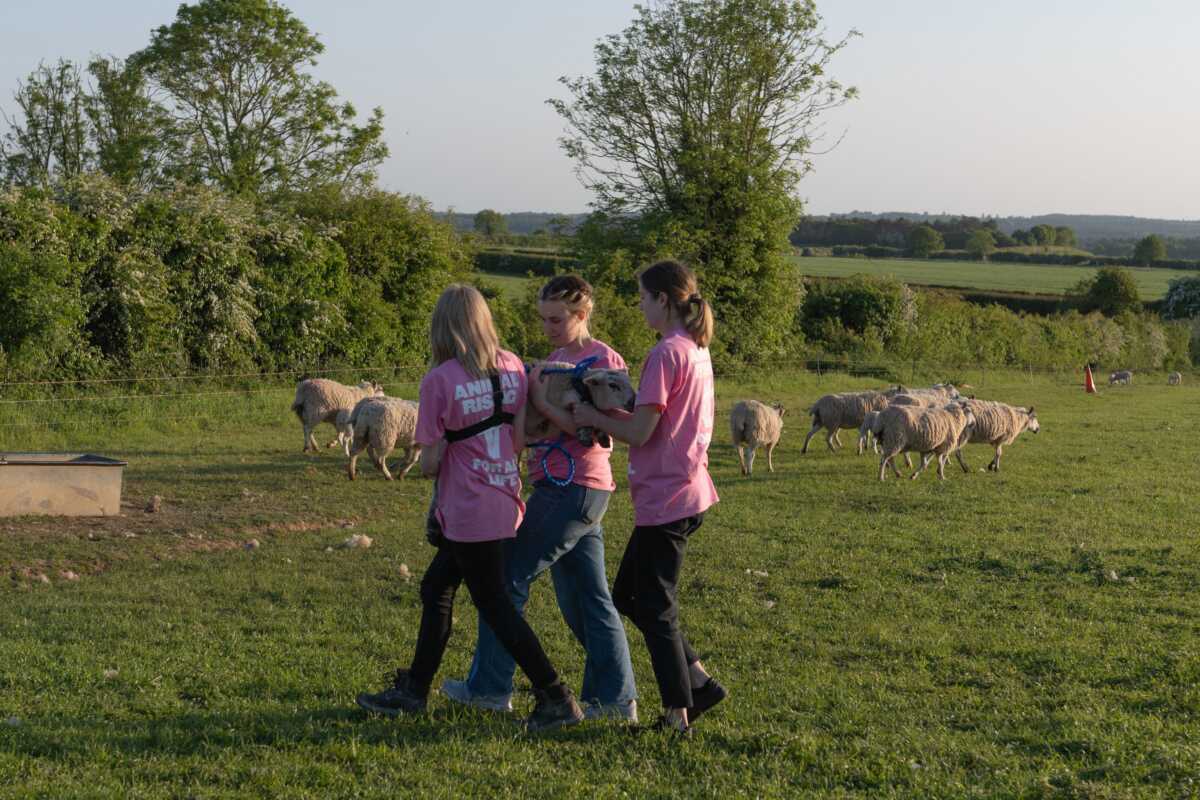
(380, 425)
(847, 410)
(928, 431)
(1174, 379)
(609, 389)
(319, 399)
(997, 424)
(1121, 376)
(754, 425)
(937, 394)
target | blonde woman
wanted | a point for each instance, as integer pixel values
(469, 426)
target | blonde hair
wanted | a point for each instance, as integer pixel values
(573, 292)
(462, 328)
(678, 283)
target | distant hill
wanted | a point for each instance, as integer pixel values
(1090, 228)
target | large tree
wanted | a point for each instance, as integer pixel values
(924, 241)
(251, 118)
(132, 132)
(1150, 249)
(49, 140)
(693, 133)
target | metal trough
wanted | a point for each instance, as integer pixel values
(60, 484)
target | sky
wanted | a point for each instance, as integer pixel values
(1016, 108)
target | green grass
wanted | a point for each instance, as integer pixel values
(512, 286)
(1030, 278)
(956, 639)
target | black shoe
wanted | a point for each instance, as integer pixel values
(555, 708)
(663, 724)
(705, 698)
(401, 698)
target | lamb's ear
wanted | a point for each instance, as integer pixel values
(594, 377)
(1031, 412)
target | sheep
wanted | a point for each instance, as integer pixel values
(319, 400)
(928, 431)
(1121, 376)
(345, 428)
(380, 425)
(923, 398)
(997, 424)
(609, 389)
(1174, 379)
(754, 425)
(847, 410)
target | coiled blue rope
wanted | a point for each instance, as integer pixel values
(575, 372)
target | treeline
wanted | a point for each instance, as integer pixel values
(98, 280)
(893, 233)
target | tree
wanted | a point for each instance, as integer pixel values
(924, 241)
(693, 133)
(132, 132)
(1065, 237)
(251, 119)
(1044, 235)
(1111, 291)
(1183, 299)
(490, 223)
(1150, 249)
(981, 243)
(50, 140)
(559, 225)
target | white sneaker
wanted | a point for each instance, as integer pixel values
(460, 692)
(626, 712)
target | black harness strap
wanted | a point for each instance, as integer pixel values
(499, 416)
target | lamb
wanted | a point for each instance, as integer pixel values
(754, 425)
(609, 389)
(1174, 379)
(380, 425)
(938, 394)
(928, 431)
(345, 428)
(997, 424)
(1121, 376)
(319, 400)
(847, 410)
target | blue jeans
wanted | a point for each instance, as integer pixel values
(562, 532)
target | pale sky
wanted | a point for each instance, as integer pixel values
(1017, 108)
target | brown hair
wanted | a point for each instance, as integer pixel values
(678, 283)
(570, 290)
(462, 328)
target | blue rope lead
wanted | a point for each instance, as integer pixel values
(550, 447)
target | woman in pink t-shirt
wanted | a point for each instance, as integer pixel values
(668, 433)
(562, 533)
(470, 427)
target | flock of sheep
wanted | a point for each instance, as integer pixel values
(935, 422)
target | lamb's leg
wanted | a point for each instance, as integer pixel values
(837, 437)
(925, 459)
(862, 443)
(829, 440)
(741, 458)
(411, 454)
(383, 467)
(770, 463)
(352, 464)
(995, 465)
(941, 471)
(962, 462)
(816, 427)
(750, 460)
(907, 460)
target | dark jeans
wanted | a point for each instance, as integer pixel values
(645, 591)
(481, 566)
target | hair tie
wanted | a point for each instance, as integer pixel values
(695, 298)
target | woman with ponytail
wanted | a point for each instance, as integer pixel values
(668, 432)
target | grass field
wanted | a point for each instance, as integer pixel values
(1030, 278)
(1029, 634)
(512, 286)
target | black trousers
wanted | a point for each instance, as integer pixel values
(482, 566)
(645, 590)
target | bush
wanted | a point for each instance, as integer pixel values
(515, 262)
(859, 306)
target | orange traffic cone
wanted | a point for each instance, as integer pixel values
(1089, 385)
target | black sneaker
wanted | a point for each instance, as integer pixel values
(401, 698)
(553, 709)
(663, 724)
(705, 698)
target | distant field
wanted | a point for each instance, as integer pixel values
(513, 286)
(1031, 278)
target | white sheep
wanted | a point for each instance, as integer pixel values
(345, 428)
(846, 410)
(609, 389)
(1123, 376)
(380, 425)
(928, 431)
(938, 394)
(319, 400)
(754, 425)
(1174, 379)
(997, 424)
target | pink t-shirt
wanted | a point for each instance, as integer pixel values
(479, 484)
(591, 463)
(668, 475)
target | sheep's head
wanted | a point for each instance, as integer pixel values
(1032, 423)
(371, 387)
(779, 409)
(610, 389)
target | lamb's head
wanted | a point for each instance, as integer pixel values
(950, 390)
(779, 409)
(610, 389)
(372, 388)
(1032, 421)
